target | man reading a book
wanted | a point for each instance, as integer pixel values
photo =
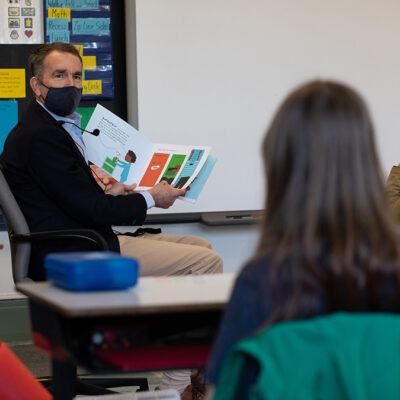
(45, 163)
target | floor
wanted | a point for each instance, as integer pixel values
(39, 363)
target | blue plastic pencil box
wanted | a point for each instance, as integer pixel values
(95, 270)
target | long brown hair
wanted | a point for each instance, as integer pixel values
(326, 223)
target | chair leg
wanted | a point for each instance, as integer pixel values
(142, 383)
(64, 379)
(88, 389)
(65, 384)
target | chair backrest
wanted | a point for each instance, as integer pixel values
(16, 224)
(340, 356)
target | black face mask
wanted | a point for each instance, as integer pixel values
(62, 101)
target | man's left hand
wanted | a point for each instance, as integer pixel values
(120, 189)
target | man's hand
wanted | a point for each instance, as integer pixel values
(119, 189)
(164, 194)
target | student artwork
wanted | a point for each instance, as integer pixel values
(21, 21)
(87, 25)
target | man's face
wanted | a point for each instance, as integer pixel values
(59, 70)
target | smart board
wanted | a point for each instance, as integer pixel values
(212, 72)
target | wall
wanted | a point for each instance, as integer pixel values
(6, 282)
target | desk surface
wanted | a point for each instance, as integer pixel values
(150, 295)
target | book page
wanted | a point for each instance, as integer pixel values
(176, 164)
(121, 153)
(199, 181)
(119, 150)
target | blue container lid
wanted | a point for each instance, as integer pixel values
(91, 270)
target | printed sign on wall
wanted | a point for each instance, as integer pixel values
(12, 83)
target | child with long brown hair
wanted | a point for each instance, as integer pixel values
(327, 242)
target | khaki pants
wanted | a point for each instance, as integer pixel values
(163, 255)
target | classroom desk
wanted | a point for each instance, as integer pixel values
(161, 323)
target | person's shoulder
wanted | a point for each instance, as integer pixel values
(37, 122)
(394, 173)
(36, 112)
(256, 270)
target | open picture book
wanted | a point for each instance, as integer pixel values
(121, 153)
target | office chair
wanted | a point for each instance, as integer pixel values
(21, 238)
(339, 356)
(20, 244)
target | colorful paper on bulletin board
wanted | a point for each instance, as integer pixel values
(86, 113)
(12, 83)
(21, 22)
(8, 118)
(87, 25)
(92, 87)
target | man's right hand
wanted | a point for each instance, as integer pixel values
(164, 194)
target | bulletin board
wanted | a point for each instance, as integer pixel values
(14, 57)
(87, 25)
(14, 86)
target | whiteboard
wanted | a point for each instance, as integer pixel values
(212, 72)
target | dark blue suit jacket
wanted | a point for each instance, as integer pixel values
(55, 188)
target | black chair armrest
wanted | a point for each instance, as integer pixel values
(88, 235)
